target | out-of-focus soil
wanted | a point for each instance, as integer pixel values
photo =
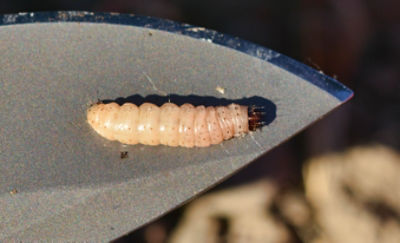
(352, 196)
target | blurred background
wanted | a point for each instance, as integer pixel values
(338, 181)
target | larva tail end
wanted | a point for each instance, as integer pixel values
(256, 114)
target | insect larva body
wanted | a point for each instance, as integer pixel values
(172, 125)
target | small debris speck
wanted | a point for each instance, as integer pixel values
(124, 154)
(219, 89)
(13, 191)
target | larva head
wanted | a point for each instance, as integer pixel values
(256, 114)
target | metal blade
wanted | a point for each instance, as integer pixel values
(68, 183)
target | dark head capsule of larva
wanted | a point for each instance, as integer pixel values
(172, 125)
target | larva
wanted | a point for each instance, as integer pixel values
(172, 125)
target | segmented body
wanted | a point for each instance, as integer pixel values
(171, 125)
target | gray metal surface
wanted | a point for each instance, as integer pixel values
(72, 184)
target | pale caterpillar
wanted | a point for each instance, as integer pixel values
(172, 125)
